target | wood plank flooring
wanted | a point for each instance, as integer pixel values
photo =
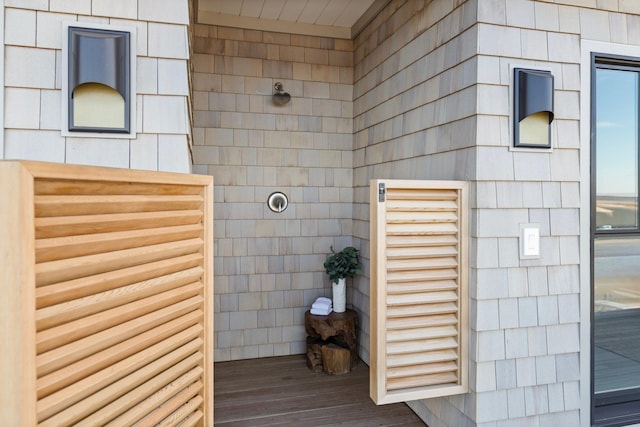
(282, 391)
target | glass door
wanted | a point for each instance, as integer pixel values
(616, 241)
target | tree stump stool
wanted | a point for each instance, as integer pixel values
(332, 342)
(336, 360)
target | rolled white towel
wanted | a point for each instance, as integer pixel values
(321, 305)
(321, 312)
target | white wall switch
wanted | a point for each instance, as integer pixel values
(529, 241)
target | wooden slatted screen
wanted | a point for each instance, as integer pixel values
(419, 274)
(107, 296)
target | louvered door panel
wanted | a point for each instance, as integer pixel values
(118, 281)
(418, 289)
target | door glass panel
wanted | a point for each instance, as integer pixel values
(616, 149)
(616, 293)
(617, 313)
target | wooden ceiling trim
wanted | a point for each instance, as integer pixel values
(248, 23)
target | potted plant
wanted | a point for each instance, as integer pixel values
(339, 266)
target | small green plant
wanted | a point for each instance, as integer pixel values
(343, 264)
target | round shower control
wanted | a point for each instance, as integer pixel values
(278, 202)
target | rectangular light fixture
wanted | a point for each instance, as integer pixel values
(533, 108)
(99, 90)
(98, 80)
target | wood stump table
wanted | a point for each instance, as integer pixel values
(332, 341)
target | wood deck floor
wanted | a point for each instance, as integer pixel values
(282, 391)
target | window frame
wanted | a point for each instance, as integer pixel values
(622, 63)
(615, 408)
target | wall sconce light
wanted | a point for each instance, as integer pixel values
(532, 108)
(99, 90)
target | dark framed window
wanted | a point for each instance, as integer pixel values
(615, 239)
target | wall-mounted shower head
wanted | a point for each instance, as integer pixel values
(280, 97)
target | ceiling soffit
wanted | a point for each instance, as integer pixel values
(327, 18)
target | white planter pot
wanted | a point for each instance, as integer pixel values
(339, 296)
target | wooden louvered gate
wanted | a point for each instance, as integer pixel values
(419, 275)
(106, 310)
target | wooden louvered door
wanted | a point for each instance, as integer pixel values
(117, 296)
(419, 310)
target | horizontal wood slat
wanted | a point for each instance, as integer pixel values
(135, 405)
(421, 252)
(46, 206)
(419, 289)
(421, 217)
(75, 309)
(426, 286)
(421, 310)
(425, 369)
(427, 263)
(397, 204)
(421, 193)
(77, 391)
(175, 409)
(73, 268)
(64, 355)
(187, 414)
(403, 347)
(81, 328)
(193, 419)
(420, 276)
(421, 321)
(74, 246)
(446, 378)
(61, 226)
(56, 380)
(421, 241)
(96, 283)
(57, 187)
(114, 296)
(106, 395)
(421, 229)
(423, 333)
(422, 298)
(412, 359)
